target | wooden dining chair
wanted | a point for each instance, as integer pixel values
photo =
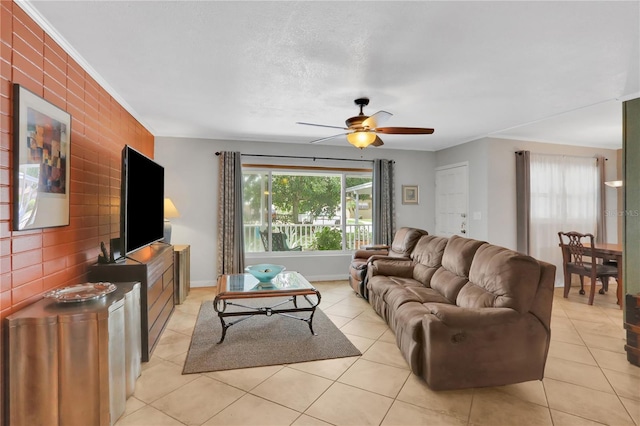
(577, 259)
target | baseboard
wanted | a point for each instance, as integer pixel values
(336, 277)
(203, 283)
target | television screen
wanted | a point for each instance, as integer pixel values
(142, 201)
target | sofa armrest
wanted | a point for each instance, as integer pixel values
(366, 254)
(468, 318)
(390, 266)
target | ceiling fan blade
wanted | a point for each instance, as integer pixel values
(327, 138)
(321, 125)
(376, 119)
(377, 142)
(404, 130)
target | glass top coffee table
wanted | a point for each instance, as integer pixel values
(289, 284)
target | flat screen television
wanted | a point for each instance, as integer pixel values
(141, 202)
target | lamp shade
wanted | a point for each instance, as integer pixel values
(170, 209)
(361, 139)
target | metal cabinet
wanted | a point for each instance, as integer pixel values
(73, 363)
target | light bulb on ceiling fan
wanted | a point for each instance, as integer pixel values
(361, 139)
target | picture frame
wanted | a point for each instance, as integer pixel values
(42, 162)
(410, 194)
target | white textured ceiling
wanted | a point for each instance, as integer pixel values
(546, 71)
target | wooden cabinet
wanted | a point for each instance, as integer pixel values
(152, 266)
(182, 268)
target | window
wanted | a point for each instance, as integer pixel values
(299, 209)
(564, 190)
(564, 197)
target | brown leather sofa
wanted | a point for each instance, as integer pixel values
(466, 313)
(403, 243)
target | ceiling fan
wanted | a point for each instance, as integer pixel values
(363, 129)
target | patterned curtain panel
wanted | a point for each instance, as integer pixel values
(230, 234)
(523, 199)
(384, 214)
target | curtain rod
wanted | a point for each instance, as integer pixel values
(294, 156)
(563, 155)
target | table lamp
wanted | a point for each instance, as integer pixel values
(169, 212)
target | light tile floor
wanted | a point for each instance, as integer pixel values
(588, 380)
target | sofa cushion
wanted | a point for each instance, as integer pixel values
(404, 241)
(459, 254)
(500, 278)
(420, 294)
(381, 285)
(456, 263)
(428, 257)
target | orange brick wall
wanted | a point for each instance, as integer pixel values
(32, 262)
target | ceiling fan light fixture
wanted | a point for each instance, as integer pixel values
(361, 139)
(614, 183)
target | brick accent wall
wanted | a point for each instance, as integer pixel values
(32, 262)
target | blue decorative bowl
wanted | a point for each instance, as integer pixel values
(264, 272)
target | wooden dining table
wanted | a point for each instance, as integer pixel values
(609, 251)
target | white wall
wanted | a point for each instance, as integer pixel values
(191, 181)
(492, 183)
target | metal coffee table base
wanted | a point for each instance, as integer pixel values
(220, 306)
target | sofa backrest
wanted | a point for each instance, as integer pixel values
(501, 278)
(476, 274)
(428, 257)
(453, 273)
(404, 241)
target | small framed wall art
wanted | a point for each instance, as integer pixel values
(410, 194)
(42, 155)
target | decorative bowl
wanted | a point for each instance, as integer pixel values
(264, 272)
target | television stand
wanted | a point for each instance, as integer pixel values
(153, 267)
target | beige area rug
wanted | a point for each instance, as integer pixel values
(262, 340)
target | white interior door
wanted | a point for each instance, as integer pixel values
(451, 200)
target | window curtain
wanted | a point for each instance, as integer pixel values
(563, 197)
(601, 235)
(523, 182)
(383, 202)
(230, 228)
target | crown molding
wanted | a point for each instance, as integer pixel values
(71, 51)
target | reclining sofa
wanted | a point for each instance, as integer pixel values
(403, 244)
(466, 313)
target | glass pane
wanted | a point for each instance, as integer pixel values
(359, 203)
(255, 193)
(307, 206)
(304, 211)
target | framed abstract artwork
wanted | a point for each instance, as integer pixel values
(41, 166)
(410, 194)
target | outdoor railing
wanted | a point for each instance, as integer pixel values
(302, 235)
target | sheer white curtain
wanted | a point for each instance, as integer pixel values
(564, 197)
